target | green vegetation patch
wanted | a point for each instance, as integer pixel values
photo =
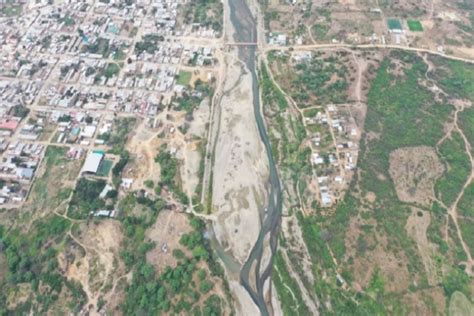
(31, 260)
(189, 101)
(100, 46)
(455, 77)
(467, 230)
(149, 44)
(320, 31)
(179, 289)
(111, 70)
(324, 80)
(287, 288)
(118, 137)
(10, 10)
(45, 194)
(184, 78)
(207, 13)
(459, 305)
(453, 154)
(394, 24)
(86, 198)
(466, 123)
(415, 26)
(403, 113)
(169, 174)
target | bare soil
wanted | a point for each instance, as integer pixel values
(166, 233)
(414, 171)
(416, 228)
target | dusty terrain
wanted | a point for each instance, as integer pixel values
(414, 171)
(166, 233)
(93, 259)
(240, 168)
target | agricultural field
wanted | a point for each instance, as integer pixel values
(406, 211)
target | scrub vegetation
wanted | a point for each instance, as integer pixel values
(361, 232)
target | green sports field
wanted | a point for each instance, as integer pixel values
(415, 26)
(394, 24)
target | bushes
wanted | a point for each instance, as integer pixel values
(456, 280)
(313, 81)
(32, 258)
(270, 93)
(453, 154)
(291, 301)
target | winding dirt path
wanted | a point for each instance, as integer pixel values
(452, 211)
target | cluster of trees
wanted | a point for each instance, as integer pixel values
(314, 80)
(149, 44)
(119, 136)
(168, 174)
(189, 101)
(31, 257)
(207, 13)
(86, 198)
(176, 289)
(100, 46)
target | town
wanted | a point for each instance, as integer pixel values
(75, 71)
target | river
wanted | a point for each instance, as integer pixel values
(246, 31)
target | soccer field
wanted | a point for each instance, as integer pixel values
(415, 26)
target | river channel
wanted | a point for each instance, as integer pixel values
(245, 27)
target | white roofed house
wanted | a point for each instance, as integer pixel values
(92, 163)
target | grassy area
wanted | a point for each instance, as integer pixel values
(100, 46)
(32, 267)
(207, 13)
(467, 230)
(415, 26)
(186, 288)
(466, 210)
(459, 304)
(404, 114)
(118, 137)
(45, 194)
(111, 70)
(184, 78)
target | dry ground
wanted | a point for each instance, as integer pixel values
(166, 233)
(414, 171)
(93, 258)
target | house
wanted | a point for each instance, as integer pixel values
(25, 173)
